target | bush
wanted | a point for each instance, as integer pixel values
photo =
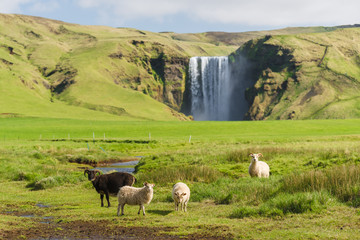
(45, 183)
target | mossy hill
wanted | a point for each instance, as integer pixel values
(50, 68)
(55, 69)
(304, 76)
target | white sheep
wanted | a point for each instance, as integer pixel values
(258, 168)
(181, 195)
(135, 196)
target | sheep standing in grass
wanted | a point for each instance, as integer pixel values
(135, 196)
(258, 168)
(181, 195)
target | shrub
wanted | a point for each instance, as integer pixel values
(45, 183)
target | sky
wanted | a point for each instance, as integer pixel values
(192, 16)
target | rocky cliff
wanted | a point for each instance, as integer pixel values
(303, 76)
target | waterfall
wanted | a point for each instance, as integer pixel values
(210, 88)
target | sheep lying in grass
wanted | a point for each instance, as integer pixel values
(135, 196)
(258, 168)
(181, 195)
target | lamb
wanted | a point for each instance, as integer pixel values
(258, 168)
(135, 196)
(109, 183)
(181, 195)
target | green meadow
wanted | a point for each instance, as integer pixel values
(312, 193)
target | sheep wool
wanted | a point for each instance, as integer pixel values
(181, 195)
(258, 168)
(135, 196)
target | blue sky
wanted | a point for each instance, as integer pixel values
(191, 16)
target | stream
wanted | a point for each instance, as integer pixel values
(128, 167)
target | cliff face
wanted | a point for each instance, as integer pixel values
(303, 76)
(272, 71)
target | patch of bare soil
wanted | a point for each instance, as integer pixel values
(103, 229)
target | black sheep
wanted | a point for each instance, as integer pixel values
(109, 183)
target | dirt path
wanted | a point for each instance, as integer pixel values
(95, 230)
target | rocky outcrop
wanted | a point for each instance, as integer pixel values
(166, 72)
(272, 70)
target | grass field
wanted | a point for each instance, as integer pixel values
(313, 191)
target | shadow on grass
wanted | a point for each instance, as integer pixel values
(160, 212)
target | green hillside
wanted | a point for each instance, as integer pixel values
(54, 69)
(51, 68)
(304, 76)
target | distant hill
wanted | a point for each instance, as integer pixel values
(51, 68)
(56, 69)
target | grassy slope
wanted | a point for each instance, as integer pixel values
(43, 44)
(105, 87)
(240, 38)
(326, 74)
(338, 75)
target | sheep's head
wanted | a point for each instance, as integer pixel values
(179, 196)
(149, 185)
(255, 156)
(91, 174)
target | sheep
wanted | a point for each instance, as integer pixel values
(181, 195)
(109, 183)
(258, 168)
(135, 196)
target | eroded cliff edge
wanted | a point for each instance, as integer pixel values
(303, 76)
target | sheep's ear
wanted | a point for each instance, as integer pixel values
(251, 154)
(145, 183)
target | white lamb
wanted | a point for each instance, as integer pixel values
(181, 195)
(135, 196)
(258, 168)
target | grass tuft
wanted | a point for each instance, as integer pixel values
(169, 175)
(341, 181)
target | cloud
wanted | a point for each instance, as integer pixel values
(254, 12)
(34, 6)
(12, 6)
(44, 6)
(192, 14)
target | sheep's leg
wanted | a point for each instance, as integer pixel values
(143, 209)
(122, 209)
(102, 199)
(139, 209)
(176, 206)
(107, 198)
(118, 210)
(185, 205)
